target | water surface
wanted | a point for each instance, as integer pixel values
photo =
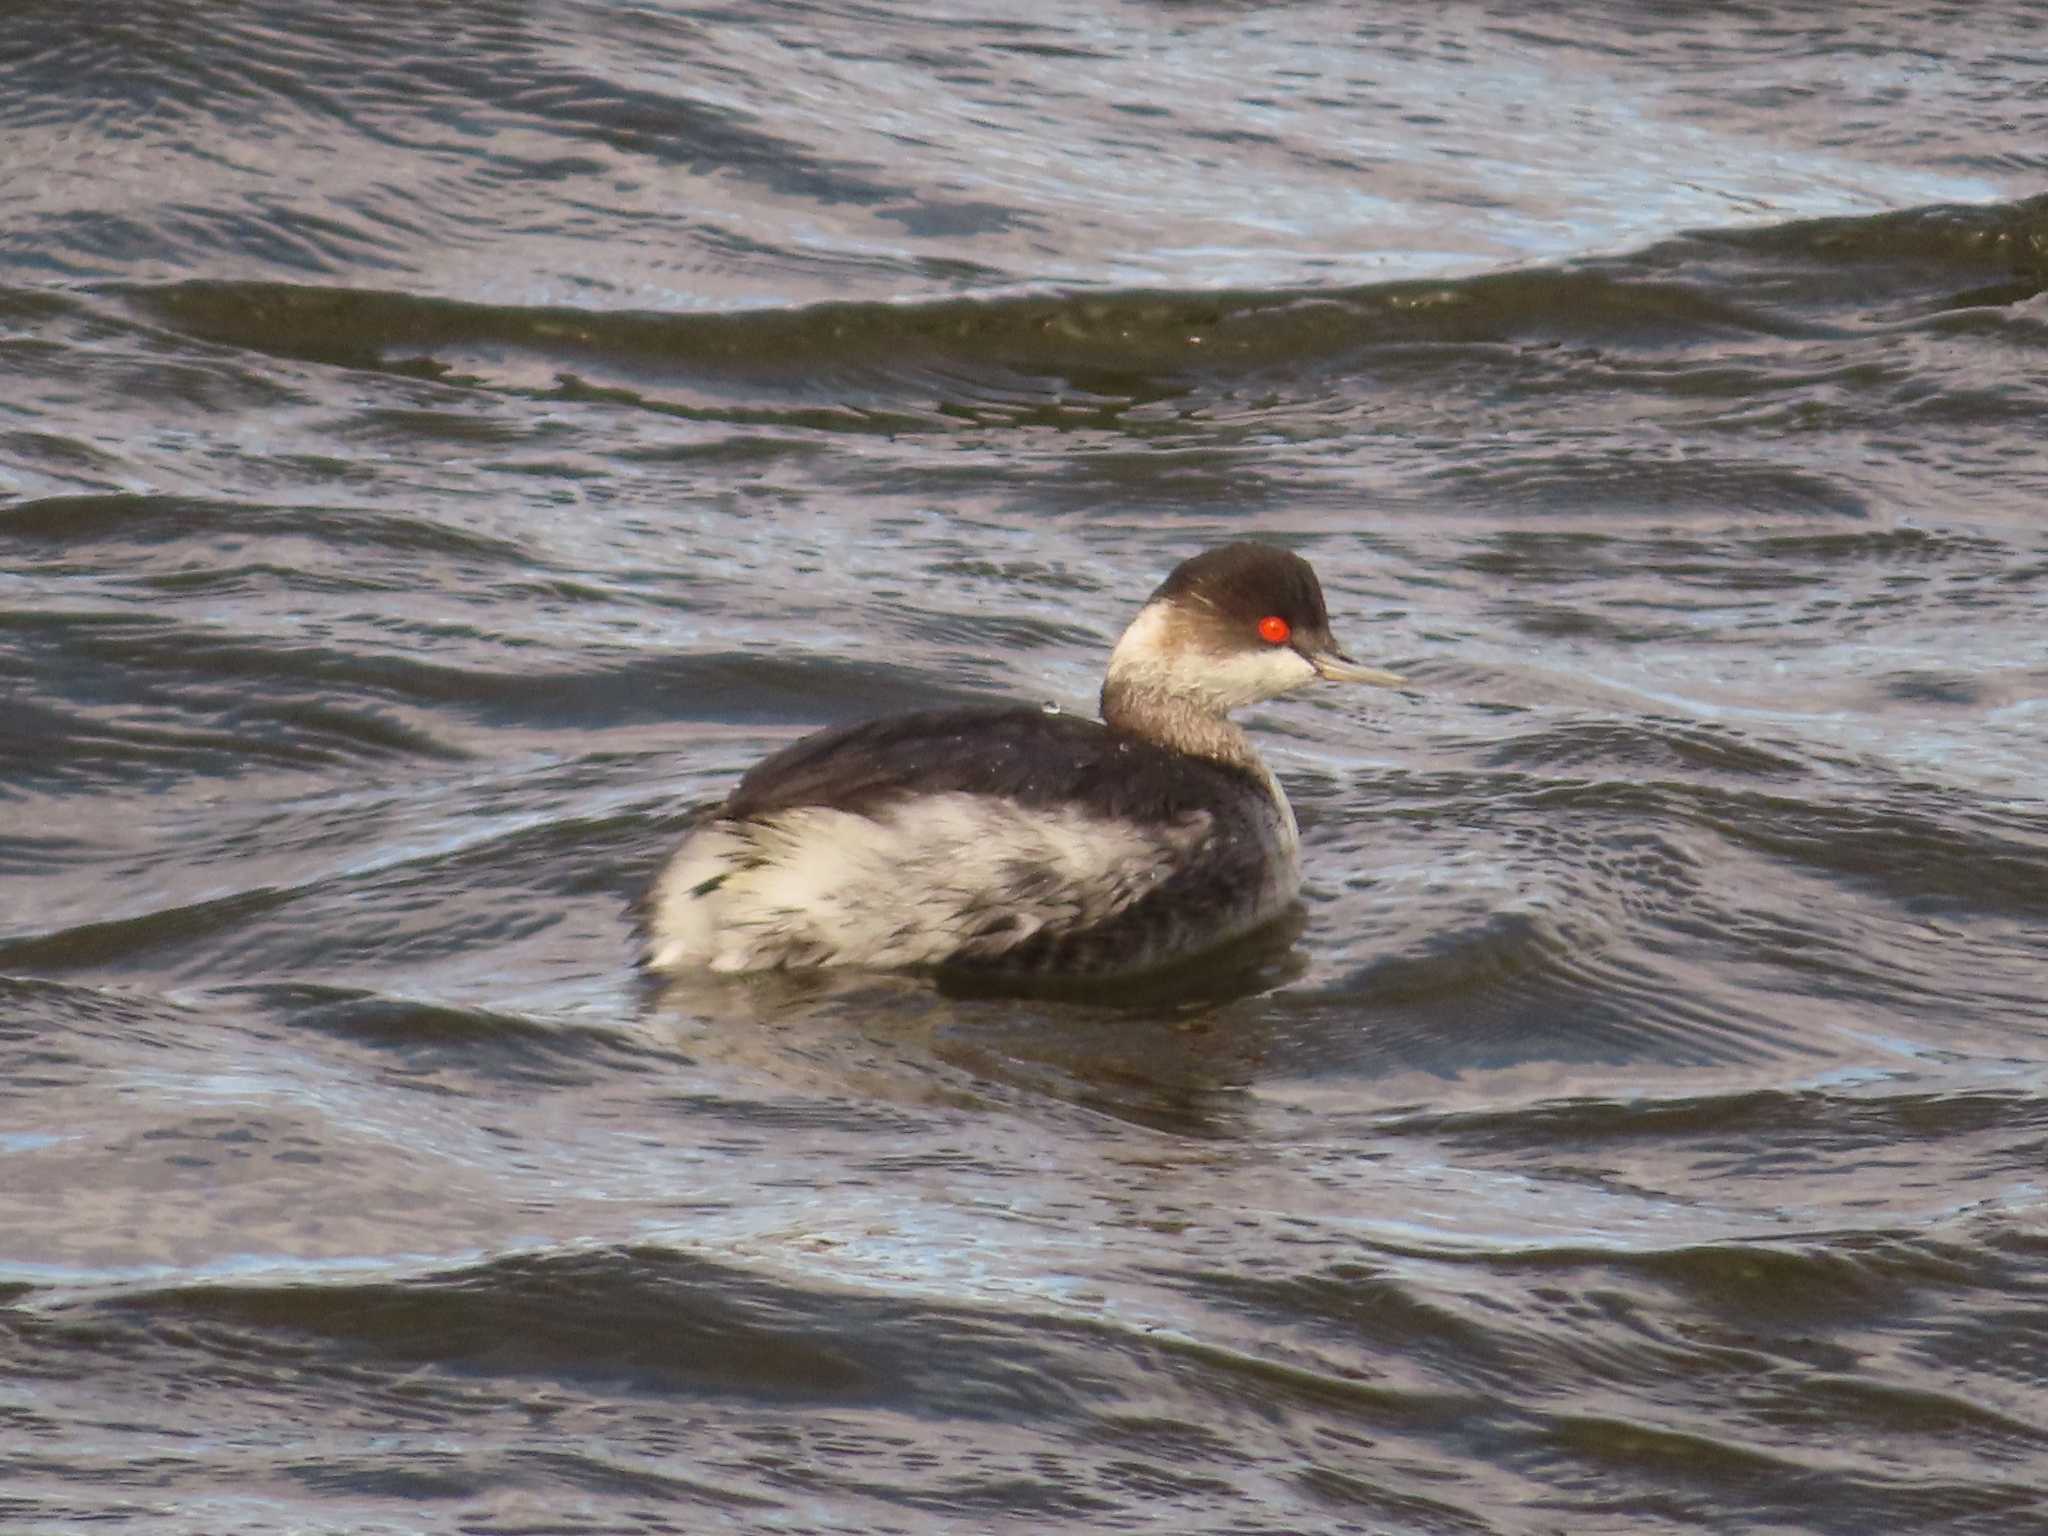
(442, 445)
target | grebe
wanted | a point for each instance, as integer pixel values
(1023, 840)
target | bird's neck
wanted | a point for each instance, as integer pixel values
(1178, 723)
(1149, 692)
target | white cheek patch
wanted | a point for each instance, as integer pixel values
(1221, 683)
(937, 878)
(1245, 677)
(1160, 654)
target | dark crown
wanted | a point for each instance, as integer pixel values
(1243, 583)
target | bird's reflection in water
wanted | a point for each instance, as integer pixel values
(1171, 1051)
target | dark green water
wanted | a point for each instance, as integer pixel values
(440, 445)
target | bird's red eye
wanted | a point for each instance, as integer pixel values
(1274, 630)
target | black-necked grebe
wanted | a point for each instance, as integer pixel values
(1014, 839)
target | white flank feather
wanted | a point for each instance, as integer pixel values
(938, 877)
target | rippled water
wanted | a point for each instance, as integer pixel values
(439, 445)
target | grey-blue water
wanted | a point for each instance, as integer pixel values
(441, 444)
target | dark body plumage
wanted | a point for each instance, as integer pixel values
(1037, 760)
(1032, 756)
